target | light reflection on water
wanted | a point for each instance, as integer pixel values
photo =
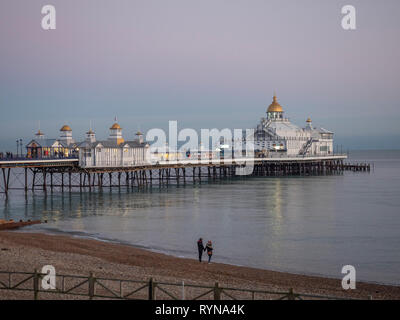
(311, 225)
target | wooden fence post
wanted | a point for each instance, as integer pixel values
(217, 292)
(36, 285)
(92, 282)
(291, 295)
(151, 289)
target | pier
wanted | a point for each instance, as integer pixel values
(66, 174)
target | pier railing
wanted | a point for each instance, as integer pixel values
(91, 287)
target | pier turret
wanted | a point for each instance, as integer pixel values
(66, 135)
(116, 133)
(139, 137)
(39, 135)
(309, 124)
(275, 110)
(91, 136)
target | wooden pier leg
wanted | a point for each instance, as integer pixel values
(33, 180)
(8, 179)
(44, 180)
(62, 181)
(26, 180)
(51, 181)
(90, 182)
(80, 181)
(119, 179)
(70, 180)
(5, 181)
(110, 178)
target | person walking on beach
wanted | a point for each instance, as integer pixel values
(209, 249)
(200, 247)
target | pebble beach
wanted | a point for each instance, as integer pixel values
(25, 252)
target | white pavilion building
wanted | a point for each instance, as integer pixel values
(276, 134)
(114, 152)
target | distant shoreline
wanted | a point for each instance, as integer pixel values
(23, 251)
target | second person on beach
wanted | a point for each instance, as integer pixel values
(209, 249)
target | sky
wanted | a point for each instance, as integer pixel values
(206, 64)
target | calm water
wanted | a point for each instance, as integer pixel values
(310, 225)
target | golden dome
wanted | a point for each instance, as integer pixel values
(90, 131)
(39, 133)
(115, 126)
(275, 106)
(66, 128)
(309, 120)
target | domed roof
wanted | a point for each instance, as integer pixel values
(66, 128)
(115, 126)
(40, 133)
(275, 106)
(309, 120)
(90, 131)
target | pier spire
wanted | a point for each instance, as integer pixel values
(39, 134)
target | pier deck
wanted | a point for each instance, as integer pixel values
(66, 174)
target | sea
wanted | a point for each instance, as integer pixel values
(311, 225)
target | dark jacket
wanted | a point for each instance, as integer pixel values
(200, 246)
(209, 249)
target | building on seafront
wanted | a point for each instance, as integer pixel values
(114, 152)
(62, 147)
(275, 134)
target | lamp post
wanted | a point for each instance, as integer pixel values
(17, 147)
(20, 142)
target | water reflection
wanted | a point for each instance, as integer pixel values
(299, 224)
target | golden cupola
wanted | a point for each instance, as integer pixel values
(115, 126)
(275, 106)
(65, 128)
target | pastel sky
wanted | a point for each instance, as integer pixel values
(209, 63)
